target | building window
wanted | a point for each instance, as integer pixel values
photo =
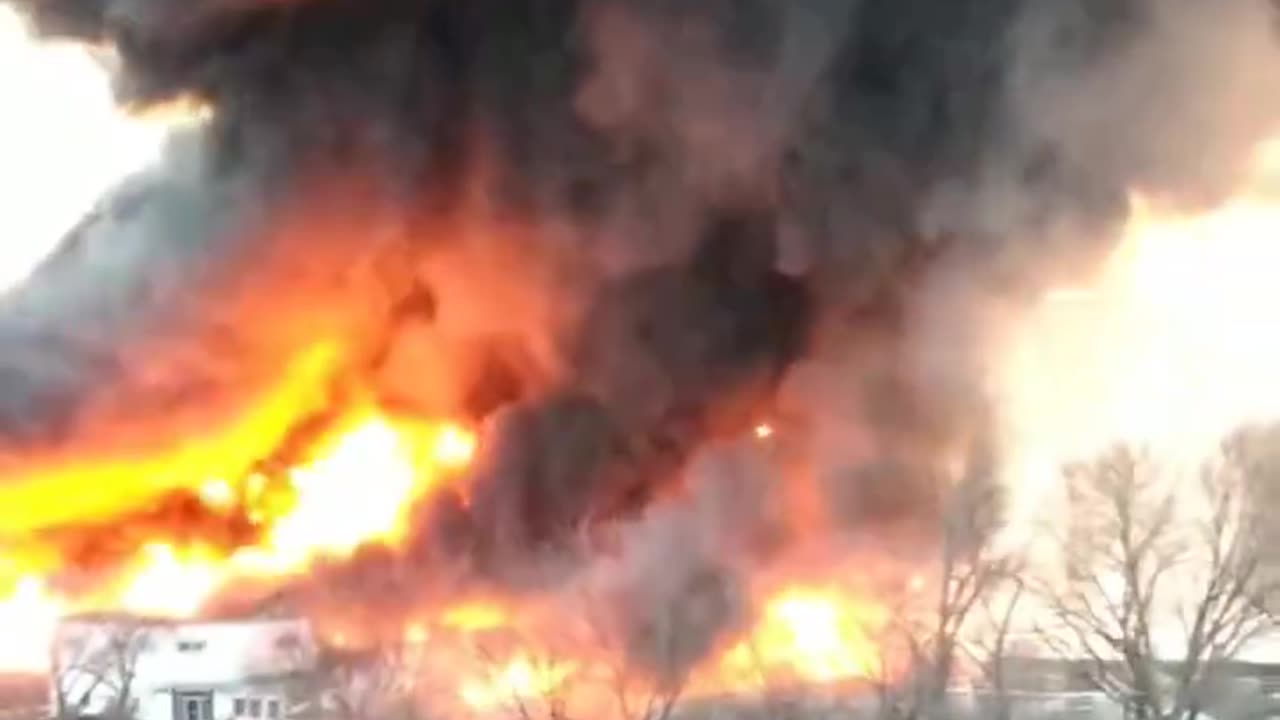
(193, 706)
(265, 708)
(1055, 680)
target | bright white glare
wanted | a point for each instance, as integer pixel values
(63, 143)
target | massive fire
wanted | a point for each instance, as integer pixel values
(1181, 307)
(1168, 344)
(392, 462)
(496, 657)
(805, 634)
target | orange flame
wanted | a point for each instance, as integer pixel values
(809, 636)
(168, 583)
(391, 463)
(387, 463)
(82, 488)
(475, 617)
(519, 679)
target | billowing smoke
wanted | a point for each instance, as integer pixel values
(619, 232)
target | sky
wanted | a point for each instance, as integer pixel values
(63, 142)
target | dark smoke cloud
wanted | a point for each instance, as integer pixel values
(52, 360)
(665, 359)
(614, 229)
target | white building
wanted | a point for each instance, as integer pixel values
(118, 667)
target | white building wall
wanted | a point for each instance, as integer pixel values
(155, 705)
(226, 659)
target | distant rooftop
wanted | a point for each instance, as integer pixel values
(158, 621)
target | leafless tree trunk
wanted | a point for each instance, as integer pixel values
(638, 693)
(377, 684)
(899, 649)
(1147, 559)
(933, 637)
(990, 650)
(551, 692)
(101, 660)
(643, 699)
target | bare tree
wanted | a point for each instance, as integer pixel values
(368, 686)
(1162, 580)
(591, 675)
(387, 680)
(95, 665)
(775, 693)
(71, 694)
(546, 687)
(929, 626)
(639, 696)
(900, 649)
(988, 649)
(583, 669)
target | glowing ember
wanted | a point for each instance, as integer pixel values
(764, 431)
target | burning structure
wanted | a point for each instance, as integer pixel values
(662, 347)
